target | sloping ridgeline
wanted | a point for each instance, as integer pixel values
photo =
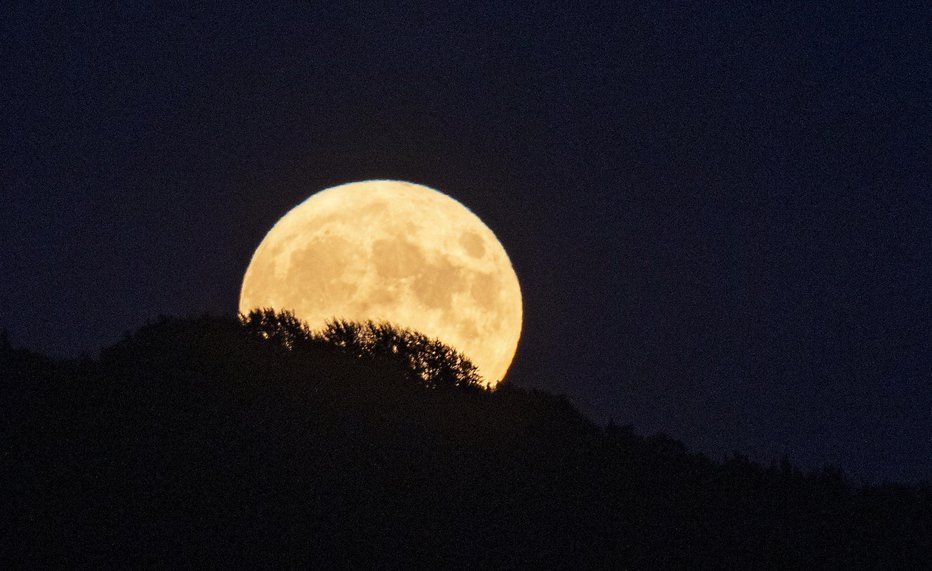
(213, 442)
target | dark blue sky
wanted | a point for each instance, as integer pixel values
(721, 218)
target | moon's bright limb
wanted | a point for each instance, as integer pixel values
(393, 251)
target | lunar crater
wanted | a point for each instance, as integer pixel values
(472, 243)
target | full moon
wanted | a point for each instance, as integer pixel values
(397, 252)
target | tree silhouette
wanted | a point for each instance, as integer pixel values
(426, 361)
(280, 328)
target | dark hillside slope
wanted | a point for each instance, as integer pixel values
(192, 443)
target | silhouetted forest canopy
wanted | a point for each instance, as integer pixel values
(255, 442)
(417, 357)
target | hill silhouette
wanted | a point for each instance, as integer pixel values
(216, 442)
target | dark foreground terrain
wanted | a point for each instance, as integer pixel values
(198, 442)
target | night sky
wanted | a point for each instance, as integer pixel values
(721, 218)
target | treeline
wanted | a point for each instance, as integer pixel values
(258, 443)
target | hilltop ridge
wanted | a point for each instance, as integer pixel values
(199, 441)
